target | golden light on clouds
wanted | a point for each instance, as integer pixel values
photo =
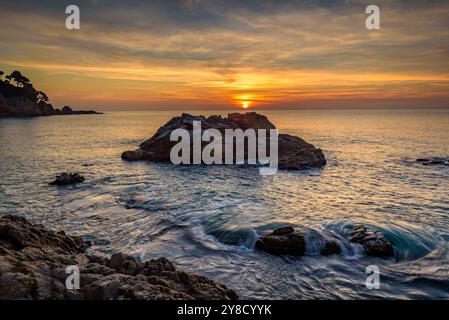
(289, 57)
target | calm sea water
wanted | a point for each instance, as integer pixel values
(207, 218)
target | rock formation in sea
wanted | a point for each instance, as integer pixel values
(434, 161)
(373, 243)
(67, 178)
(294, 152)
(287, 241)
(33, 262)
(18, 98)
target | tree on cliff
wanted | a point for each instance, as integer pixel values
(41, 96)
(17, 85)
(19, 79)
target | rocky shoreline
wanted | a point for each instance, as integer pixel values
(33, 262)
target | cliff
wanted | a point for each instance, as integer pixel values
(18, 98)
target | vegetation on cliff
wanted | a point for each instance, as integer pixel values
(19, 98)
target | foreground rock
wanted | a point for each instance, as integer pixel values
(283, 241)
(33, 262)
(294, 153)
(287, 241)
(67, 178)
(374, 243)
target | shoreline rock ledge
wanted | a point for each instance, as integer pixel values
(33, 261)
(294, 152)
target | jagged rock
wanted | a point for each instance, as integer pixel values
(374, 243)
(294, 153)
(283, 241)
(67, 178)
(33, 262)
(330, 247)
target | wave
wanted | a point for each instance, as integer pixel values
(410, 242)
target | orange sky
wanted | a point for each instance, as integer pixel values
(198, 55)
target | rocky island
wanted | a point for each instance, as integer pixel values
(33, 262)
(294, 152)
(18, 98)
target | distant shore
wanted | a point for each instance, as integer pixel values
(19, 98)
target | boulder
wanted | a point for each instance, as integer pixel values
(33, 261)
(66, 110)
(294, 152)
(434, 161)
(283, 241)
(331, 247)
(67, 178)
(374, 243)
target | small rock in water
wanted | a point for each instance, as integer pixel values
(283, 241)
(330, 247)
(374, 243)
(67, 178)
(432, 161)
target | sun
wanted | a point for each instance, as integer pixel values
(246, 104)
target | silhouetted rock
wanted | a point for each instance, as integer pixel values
(294, 153)
(33, 261)
(433, 161)
(67, 178)
(66, 110)
(374, 243)
(283, 241)
(18, 98)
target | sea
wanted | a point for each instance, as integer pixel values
(208, 218)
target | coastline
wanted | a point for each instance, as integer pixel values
(34, 263)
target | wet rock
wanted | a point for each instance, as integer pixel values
(374, 243)
(135, 155)
(294, 153)
(67, 178)
(33, 262)
(330, 247)
(283, 241)
(433, 161)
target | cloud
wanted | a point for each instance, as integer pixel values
(279, 52)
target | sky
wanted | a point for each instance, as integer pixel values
(206, 54)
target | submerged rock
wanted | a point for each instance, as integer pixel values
(294, 153)
(374, 243)
(433, 161)
(67, 178)
(33, 262)
(283, 241)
